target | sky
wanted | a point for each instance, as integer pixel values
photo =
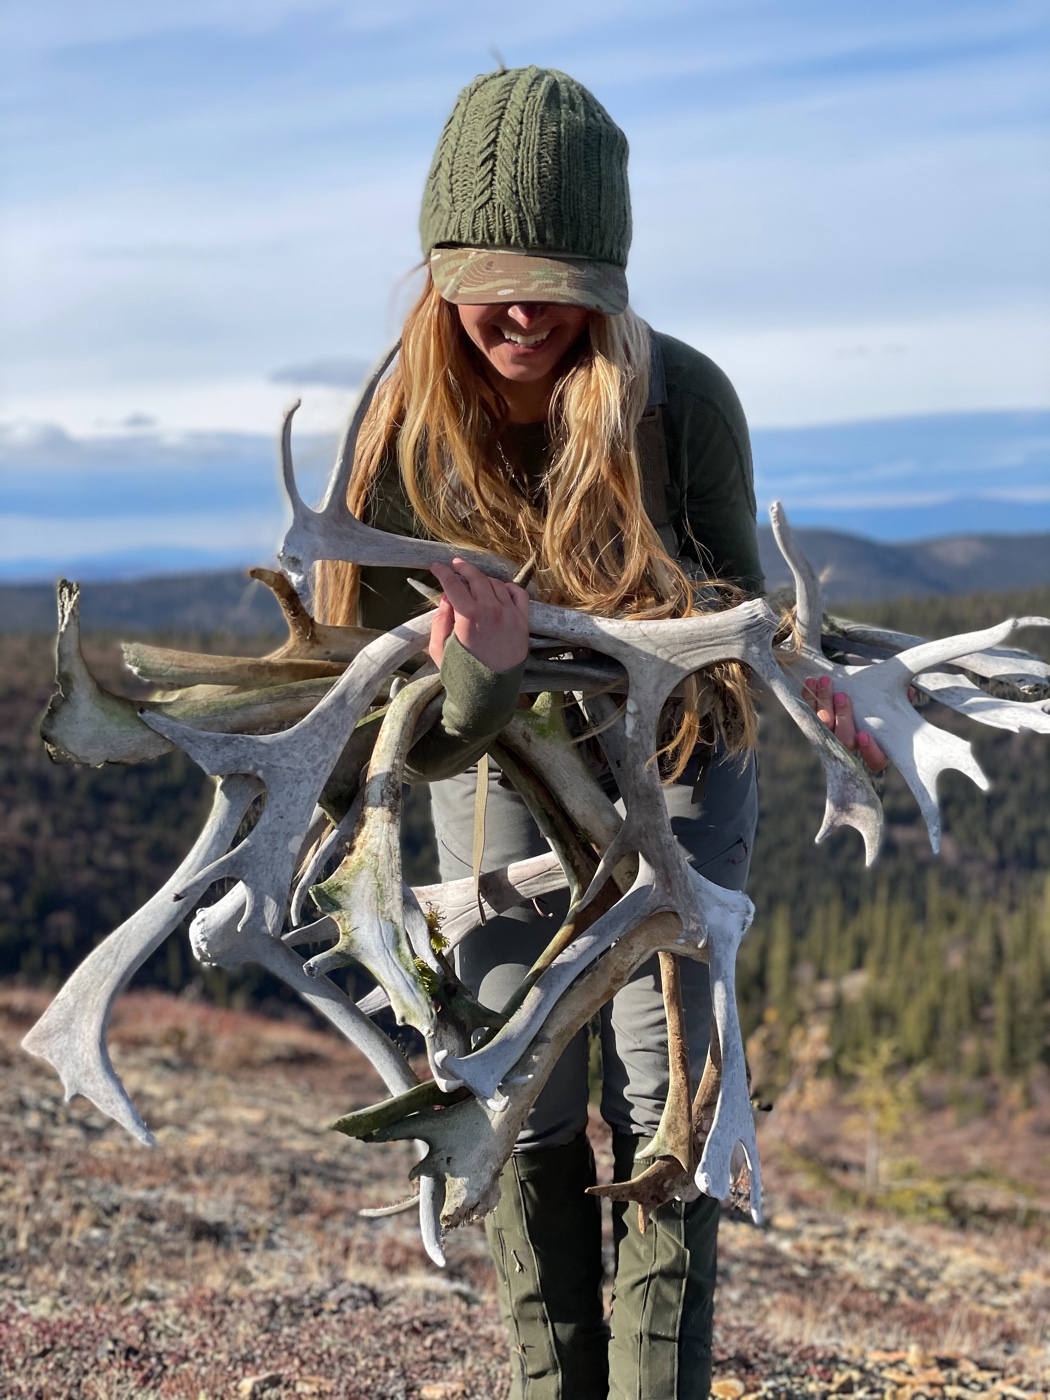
(211, 207)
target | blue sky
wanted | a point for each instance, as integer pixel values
(848, 206)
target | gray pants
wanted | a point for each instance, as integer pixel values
(717, 834)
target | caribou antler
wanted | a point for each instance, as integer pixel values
(333, 533)
(219, 939)
(632, 891)
(86, 723)
(879, 692)
(71, 1034)
(293, 765)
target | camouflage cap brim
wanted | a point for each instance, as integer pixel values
(487, 276)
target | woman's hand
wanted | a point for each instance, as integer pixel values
(489, 617)
(835, 710)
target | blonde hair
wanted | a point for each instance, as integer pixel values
(589, 539)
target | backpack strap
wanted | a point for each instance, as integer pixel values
(651, 447)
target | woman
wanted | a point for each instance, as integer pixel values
(531, 413)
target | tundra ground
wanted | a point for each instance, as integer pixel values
(230, 1260)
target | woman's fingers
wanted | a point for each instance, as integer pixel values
(470, 591)
(845, 729)
(835, 709)
(457, 588)
(440, 630)
(870, 752)
(491, 618)
(817, 694)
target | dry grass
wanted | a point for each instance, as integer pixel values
(234, 1250)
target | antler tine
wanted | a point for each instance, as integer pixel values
(83, 722)
(294, 765)
(287, 466)
(219, 940)
(484, 1070)
(967, 699)
(301, 626)
(71, 1034)
(334, 500)
(456, 902)
(364, 895)
(734, 1121)
(471, 1140)
(926, 655)
(333, 533)
(1014, 666)
(809, 596)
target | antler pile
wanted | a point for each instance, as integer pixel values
(313, 730)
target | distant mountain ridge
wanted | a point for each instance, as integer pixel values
(854, 570)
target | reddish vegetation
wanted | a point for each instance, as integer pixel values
(231, 1261)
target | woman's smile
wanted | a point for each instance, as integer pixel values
(524, 342)
(528, 341)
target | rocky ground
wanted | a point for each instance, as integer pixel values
(230, 1260)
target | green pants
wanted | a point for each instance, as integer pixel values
(545, 1233)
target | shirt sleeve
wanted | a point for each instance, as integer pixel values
(711, 496)
(479, 702)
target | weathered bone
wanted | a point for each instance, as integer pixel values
(809, 596)
(660, 653)
(293, 765)
(333, 533)
(162, 666)
(664, 1179)
(308, 638)
(364, 896)
(71, 1034)
(336, 843)
(539, 738)
(879, 693)
(458, 910)
(379, 922)
(85, 723)
(970, 700)
(471, 1139)
(484, 1070)
(309, 647)
(218, 940)
(674, 1135)
(500, 890)
(1007, 664)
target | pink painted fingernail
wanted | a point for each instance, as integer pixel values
(840, 699)
(863, 737)
(824, 682)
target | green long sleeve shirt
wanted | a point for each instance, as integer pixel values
(710, 505)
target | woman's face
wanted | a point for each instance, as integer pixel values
(524, 342)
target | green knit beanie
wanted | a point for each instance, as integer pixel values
(527, 196)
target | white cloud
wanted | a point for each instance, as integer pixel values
(801, 375)
(254, 406)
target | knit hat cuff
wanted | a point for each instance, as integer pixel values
(486, 276)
